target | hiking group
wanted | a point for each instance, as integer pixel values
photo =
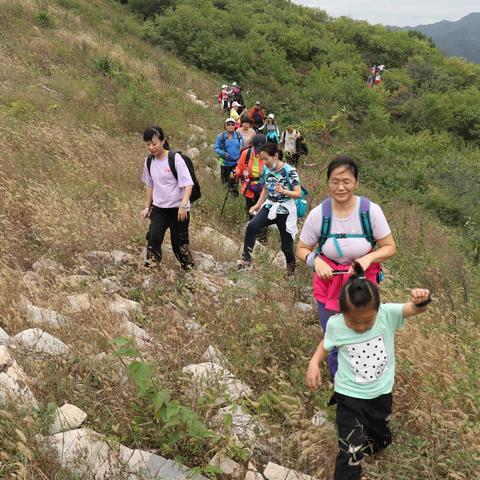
(344, 242)
(375, 75)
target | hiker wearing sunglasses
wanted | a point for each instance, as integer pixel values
(343, 229)
(228, 147)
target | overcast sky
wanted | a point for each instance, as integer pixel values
(399, 13)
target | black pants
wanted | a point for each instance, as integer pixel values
(225, 172)
(292, 158)
(362, 428)
(259, 222)
(249, 203)
(161, 220)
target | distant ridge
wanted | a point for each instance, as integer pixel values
(460, 38)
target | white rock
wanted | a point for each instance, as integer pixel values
(277, 472)
(279, 261)
(303, 307)
(214, 355)
(210, 286)
(77, 281)
(206, 262)
(43, 316)
(197, 129)
(319, 419)
(252, 473)
(40, 341)
(124, 306)
(192, 327)
(45, 264)
(33, 281)
(111, 285)
(228, 466)
(4, 337)
(148, 466)
(82, 270)
(141, 336)
(79, 303)
(214, 376)
(89, 453)
(244, 426)
(117, 257)
(193, 153)
(147, 282)
(193, 98)
(67, 417)
(221, 243)
(13, 381)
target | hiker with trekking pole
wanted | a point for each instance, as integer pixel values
(342, 229)
(228, 146)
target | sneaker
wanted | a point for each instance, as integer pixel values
(244, 265)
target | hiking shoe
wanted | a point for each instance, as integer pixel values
(244, 265)
(291, 270)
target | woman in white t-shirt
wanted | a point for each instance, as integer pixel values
(358, 231)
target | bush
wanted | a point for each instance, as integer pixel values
(44, 19)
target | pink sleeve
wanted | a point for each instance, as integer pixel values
(146, 177)
(380, 226)
(184, 177)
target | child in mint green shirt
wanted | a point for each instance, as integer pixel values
(364, 334)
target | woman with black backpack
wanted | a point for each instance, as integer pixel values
(169, 185)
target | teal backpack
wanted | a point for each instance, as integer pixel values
(301, 203)
(365, 222)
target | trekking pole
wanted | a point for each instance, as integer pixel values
(224, 202)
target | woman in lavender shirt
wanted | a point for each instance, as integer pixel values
(167, 201)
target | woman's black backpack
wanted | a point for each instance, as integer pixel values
(196, 192)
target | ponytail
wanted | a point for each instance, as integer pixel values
(359, 292)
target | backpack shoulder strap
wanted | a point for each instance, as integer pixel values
(326, 221)
(171, 162)
(365, 220)
(248, 156)
(149, 163)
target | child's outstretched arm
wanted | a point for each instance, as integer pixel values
(314, 376)
(420, 299)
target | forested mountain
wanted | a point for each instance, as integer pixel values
(459, 39)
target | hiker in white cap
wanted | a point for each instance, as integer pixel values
(228, 146)
(234, 113)
(223, 98)
(270, 129)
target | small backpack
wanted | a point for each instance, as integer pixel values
(365, 222)
(301, 146)
(301, 203)
(196, 191)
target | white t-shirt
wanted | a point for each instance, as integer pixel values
(352, 248)
(290, 141)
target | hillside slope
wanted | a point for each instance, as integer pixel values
(459, 39)
(77, 87)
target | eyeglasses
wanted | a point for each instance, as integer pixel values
(230, 124)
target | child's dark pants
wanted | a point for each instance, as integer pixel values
(362, 428)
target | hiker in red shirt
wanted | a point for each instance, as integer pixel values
(257, 116)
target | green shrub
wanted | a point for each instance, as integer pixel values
(44, 19)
